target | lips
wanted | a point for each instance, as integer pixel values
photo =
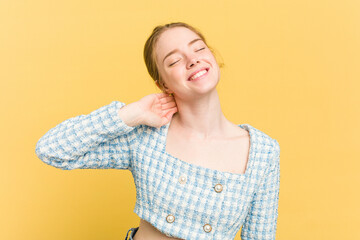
(201, 69)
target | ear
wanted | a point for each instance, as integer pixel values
(160, 86)
(163, 87)
(157, 83)
(166, 89)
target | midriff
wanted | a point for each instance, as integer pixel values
(147, 231)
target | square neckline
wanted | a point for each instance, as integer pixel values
(247, 127)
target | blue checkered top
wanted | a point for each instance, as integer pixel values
(180, 199)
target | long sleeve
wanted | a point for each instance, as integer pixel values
(261, 221)
(96, 140)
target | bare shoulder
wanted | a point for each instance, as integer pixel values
(238, 137)
(237, 132)
(237, 149)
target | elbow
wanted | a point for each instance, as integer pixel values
(42, 151)
(42, 154)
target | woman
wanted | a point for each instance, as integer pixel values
(197, 175)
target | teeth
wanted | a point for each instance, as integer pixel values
(198, 74)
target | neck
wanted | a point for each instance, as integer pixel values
(201, 118)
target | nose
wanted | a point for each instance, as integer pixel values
(193, 61)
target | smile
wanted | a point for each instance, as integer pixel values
(201, 74)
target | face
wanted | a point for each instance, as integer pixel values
(186, 65)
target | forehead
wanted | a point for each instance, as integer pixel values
(173, 38)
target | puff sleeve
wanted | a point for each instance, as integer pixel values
(96, 140)
(261, 221)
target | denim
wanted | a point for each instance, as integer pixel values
(132, 234)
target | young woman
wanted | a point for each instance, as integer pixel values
(197, 175)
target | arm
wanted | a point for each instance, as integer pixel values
(100, 139)
(261, 222)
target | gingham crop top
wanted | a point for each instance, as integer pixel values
(180, 199)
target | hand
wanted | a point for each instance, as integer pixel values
(157, 109)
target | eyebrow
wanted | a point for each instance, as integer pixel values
(176, 50)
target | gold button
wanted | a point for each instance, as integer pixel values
(218, 187)
(207, 228)
(182, 179)
(170, 218)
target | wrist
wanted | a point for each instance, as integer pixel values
(131, 114)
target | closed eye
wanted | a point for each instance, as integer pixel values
(179, 60)
(173, 63)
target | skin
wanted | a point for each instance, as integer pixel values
(199, 119)
(198, 104)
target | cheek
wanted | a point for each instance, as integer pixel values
(177, 73)
(213, 59)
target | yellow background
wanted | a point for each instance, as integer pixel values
(291, 70)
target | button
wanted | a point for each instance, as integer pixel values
(182, 179)
(218, 187)
(207, 228)
(170, 218)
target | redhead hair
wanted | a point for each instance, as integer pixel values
(149, 48)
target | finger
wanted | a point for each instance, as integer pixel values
(169, 110)
(161, 95)
(169, 114)
(168, 105)
(173, 109)
(167, 99)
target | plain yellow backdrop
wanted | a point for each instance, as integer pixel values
(292, 70)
